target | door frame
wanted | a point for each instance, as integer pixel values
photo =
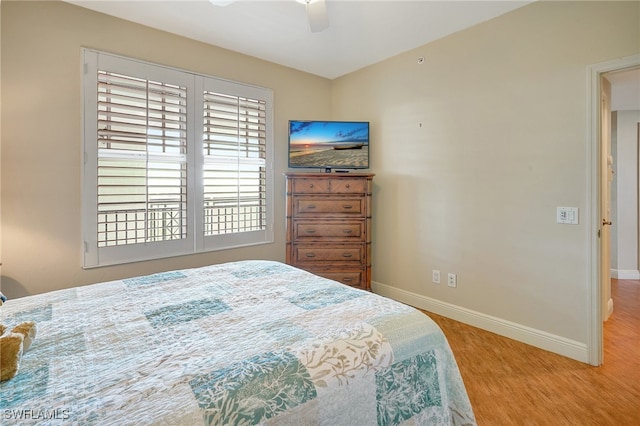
(593, 217)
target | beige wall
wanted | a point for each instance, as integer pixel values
(473, 151)
(41, 145)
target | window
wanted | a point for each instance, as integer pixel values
(174, 162)
(142, 162)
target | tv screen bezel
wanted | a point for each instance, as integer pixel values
(327, 167)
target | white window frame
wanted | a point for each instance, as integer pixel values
(195, 241)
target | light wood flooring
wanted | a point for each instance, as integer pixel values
(511, 383)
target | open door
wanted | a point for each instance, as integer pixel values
(599, 257)
(606, 177)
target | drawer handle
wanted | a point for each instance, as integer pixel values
(311, 186)
(311, 255)
(347, 280)
(348, 186)
(311, 231)
(311, 206)
(347, 231)
(347, 255)
(347, 206)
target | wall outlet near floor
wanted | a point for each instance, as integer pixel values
(452, 280)
(435, 276)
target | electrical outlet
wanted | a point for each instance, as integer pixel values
(452, 280)
(435, 276)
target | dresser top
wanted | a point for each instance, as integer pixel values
(329, 175)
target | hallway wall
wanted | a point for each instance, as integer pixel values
(624, 195)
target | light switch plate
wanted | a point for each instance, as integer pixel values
(567, 215)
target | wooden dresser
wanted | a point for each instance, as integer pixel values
(329, 225)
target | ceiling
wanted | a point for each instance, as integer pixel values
(361, 32)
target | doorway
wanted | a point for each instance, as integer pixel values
(625, 118)
(597, 219)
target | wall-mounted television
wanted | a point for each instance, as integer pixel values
(329, 144)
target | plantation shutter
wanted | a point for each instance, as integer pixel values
(234, 169)
(142, 163)
(174, 162)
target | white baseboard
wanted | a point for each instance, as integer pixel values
(538, 338)
(625, 274)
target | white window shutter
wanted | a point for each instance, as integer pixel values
(234, 145)
(142, 165)
(174, 162)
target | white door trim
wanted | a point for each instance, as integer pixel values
(593, 217)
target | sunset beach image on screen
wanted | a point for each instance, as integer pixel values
(329, 144)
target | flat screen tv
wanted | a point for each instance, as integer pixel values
(340, 145)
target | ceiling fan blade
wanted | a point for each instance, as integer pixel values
(317, 14)
(221, 3)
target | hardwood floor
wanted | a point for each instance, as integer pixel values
(511, 383)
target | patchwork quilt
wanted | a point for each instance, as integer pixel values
(241, 343)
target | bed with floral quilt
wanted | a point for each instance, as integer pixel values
(250, 342)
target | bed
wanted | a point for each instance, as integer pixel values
(250, 342)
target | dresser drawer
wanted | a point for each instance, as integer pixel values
(348, 186)
(332, 186)
(351, 254)
(311, 186)
(321, 230)
(352, 278)
(324, 205)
